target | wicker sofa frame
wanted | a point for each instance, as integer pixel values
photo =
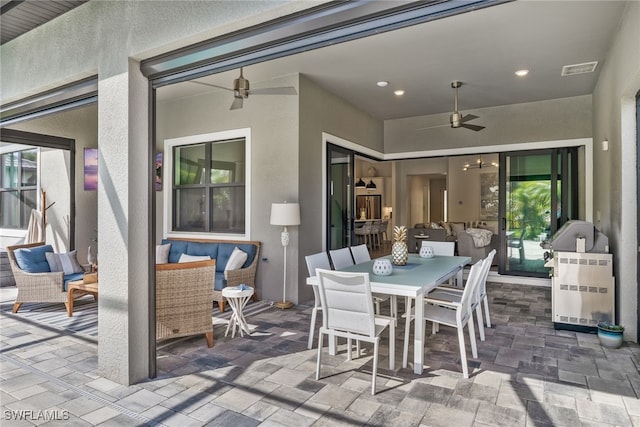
(245, 275)
(36, 287)
(183, 300)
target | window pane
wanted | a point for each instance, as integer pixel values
(29, 167)
(10, 164)
(189, 164)
(190, 210)
(9, 209)
(228, 162)
(227, 209)
(29, 200)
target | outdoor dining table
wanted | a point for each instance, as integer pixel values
(415, 279)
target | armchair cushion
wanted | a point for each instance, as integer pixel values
(33, 260)
(65, 262)
(69, 278)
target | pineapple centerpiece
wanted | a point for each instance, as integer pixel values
(399, 250)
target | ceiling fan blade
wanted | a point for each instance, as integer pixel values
(468, 117)
(434, 126)
(210, 85)
(237, 103)
(472, 127)
(287, 90)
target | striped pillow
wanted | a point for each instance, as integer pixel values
(67, 262)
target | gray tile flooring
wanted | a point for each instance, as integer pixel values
(527, 374)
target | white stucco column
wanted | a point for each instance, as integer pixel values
(123, 224)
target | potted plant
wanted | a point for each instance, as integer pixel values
(610, 335)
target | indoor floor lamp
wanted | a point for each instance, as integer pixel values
(285, 214)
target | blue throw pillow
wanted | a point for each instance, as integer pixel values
(178, 247)
(33, 260)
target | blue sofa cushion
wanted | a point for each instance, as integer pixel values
(178, 247)
(225, 250)
(70, 278)
(220, 283)
(200, 248)
(33, 260)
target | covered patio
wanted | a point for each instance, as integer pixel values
(527, 373)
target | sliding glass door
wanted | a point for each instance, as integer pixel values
(339, 197)
(538, 193)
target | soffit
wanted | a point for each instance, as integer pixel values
(21, 16)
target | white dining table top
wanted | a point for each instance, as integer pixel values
(417, 277)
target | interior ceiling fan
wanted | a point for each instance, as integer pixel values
(457, 120)
(241, 90)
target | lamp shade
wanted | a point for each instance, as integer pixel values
(285, 214)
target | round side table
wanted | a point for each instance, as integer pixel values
(237, 300)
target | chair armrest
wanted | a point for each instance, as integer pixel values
(245, 275)
(442, 302)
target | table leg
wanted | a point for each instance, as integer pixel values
(459, 281)
(418, 339)
(70, 302)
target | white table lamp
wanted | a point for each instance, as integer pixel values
(285, 214)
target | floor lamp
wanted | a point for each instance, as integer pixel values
(285, 214)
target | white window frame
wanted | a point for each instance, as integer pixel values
(9, 148)
(167, 179)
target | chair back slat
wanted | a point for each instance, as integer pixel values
(346, 302)
(440, 248)
(360, 254)
(319, 260)
(341, 258)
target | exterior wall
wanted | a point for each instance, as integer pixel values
(320, 112)
(80, 124)
(615, 192)
(274, 134)
(556, 119)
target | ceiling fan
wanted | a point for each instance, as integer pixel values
(241, 90)
(457, 120)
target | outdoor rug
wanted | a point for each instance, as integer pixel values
(85, 314)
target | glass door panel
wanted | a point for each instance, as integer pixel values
(339, 197)
(538, 193)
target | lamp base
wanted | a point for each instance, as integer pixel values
(283, 305)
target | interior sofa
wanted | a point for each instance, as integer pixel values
(221, 251)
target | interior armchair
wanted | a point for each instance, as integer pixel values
(35, 282)
(477, 250)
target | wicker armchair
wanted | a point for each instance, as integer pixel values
(245, 276)
(184, 297)
(36, 287)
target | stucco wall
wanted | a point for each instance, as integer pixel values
(615, 192)
(274, 146)
(556, 119)
(320, 112)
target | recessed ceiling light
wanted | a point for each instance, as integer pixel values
(399, 92)
(382, 83)
(522, 73)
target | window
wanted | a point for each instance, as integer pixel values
(18, 187)
(209, 184)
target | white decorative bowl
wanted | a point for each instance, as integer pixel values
(426, 252)
(382, 267)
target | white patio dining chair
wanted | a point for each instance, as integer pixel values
(441, 248)
(457, 314)
(361, 254)
(341, 258)
(347, 311)
(319, 260)
(479, 297)
(409, 315)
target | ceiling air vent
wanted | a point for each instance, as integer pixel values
(587, 67)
